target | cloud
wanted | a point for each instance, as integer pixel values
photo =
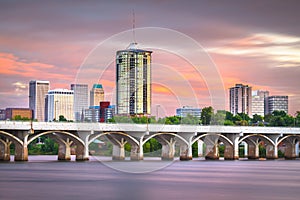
(282, 50)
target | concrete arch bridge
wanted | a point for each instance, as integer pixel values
(21, 134)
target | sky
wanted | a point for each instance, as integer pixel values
(251, 42)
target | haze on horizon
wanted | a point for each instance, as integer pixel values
(255, 43)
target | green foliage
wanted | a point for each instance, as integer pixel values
(195, 149)
(206, 115)
(189, 119)
(256, 118)
(19, 118)
(62, 118)
(46, 147)
(262, 151)
(218, 118)
(221, 150)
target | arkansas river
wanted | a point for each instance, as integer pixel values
(44, 178)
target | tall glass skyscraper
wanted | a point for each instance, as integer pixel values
(133, 81)
(96, 95)
(81, 96)
(37, 94)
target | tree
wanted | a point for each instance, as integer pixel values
(219, 117)
(206, 115)
(257, 118)
(62, 118)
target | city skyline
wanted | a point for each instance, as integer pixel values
(258, 48)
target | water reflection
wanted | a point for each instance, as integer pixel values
(45, 178)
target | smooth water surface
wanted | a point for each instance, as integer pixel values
(44, 178)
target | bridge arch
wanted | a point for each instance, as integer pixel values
(207, 134)
(286, 137)
(12, 137)
(95, 136)
(257, 135)
(61, 132)
(164, 133)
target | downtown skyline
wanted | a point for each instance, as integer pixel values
(255, 43)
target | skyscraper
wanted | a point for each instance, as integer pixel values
(259, 104)
(133, 81)
(279, 103)
(37, 93)
(80, 99)
(240, 99)
(96, 95)
(60, 102)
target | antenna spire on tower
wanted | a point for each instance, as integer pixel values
(133, 26)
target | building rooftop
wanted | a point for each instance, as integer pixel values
(97, 86)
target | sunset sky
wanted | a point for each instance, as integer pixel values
(250, 42)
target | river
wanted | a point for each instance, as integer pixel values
(44, 178)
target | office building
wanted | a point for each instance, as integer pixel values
(103, 106)
(109, 112)
(96, 95)
(92, 114)
(259, 104)
(12, 113)
(133, 81)
(2, 114)
(80, 100)
(60, 102)
(240, 99)
(188, 110)
(37, 94)
(279, 103)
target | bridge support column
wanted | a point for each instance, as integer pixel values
(118, 152)
(82, 151)
(136, 152)
(290, 150)
(64, 149)
(168, 150)
(5, 150)
(229, 152)
(186, 152)
(21, 152)
(271, 152)
(212, 152)
(200, 148)
(212, 147)
(253, 150)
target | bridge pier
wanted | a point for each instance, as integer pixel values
(212, 147)
(271, 152)
(229, 152)
(21, 152)
(64, 149)
(168, 149)
(5, 150)
(136, 152)
(82, 150)
(290, 150)
(253, 150)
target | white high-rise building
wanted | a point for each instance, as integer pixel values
(259, 99)
(96, 95)
(37, 94)
(80, 99)
(240, 99)
(280, 103)
(133, 82)
(60, 102)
